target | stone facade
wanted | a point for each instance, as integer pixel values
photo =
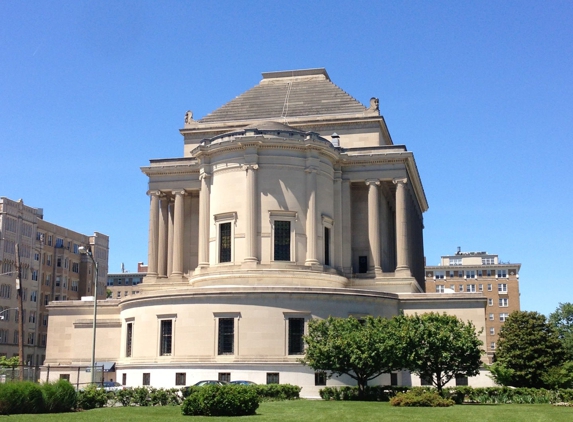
(290, 202)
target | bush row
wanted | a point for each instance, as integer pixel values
(28, 397)
(420, 398)
(266, 392)
(457, 394)
(92, 397)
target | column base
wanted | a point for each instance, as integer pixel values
(250, 264)
(201, 268)
(311, 262)
(403, 272)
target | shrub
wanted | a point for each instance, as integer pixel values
(268, 392)
(371, 393)
(59, 397)
(420, 398)
(92, 397)
(21, 397)
(221, 400)
(141, 396)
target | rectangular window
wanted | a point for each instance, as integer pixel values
(363, 264)
(461, 381)
(65, 377)
(504, 302)
(503, 317)
(455, 261)
(320, 378)
(425, 381)
(226, 336)
(461, 287)
(439, 275)
(470, 274)
(295, 334)
(489, 288)
(502, 288)
(451, 274)
(393, 378)
(480, 287)
(487, 261)
(492, 345)
(282, 241)
(129, 339)
(440, 288)
(123, 376)
(491, 317)
(224, 376)
(225, 242)
(146, 378)
(490, 302)
(471, 288)
(166, 337)
(492, 331)
(272, 378)
(480, 273)
(501, 273)
(460, 274)
(326, 246)
(180, 378)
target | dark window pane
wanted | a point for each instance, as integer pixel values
(146, 378)
(224, 376)
(320, 378)
(128, 341)
(362, 264)
(272, 378)
(295, 333)
(282, 241)
(226, 336)
(225, 242)
(326, 246)
(166, 337)
(180, 378)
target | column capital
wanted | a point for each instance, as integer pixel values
(179, 192)
(153, 192)
(402, 181)
(204, 175)
(370, 182)
(248, 167)
(311, 170)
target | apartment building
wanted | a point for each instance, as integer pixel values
(480, 273)
(52, 269)
(124, 284)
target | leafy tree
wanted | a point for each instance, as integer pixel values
(562, 321)
(559, 376)
(9, 362)
(528, 346)
(440, 347)
(362, 349)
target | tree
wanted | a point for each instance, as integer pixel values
(362, 349)
(440, 347)
(528, 346)
(562, 321)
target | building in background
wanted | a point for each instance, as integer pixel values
(51, 268)
(481, 273)
(125, 283)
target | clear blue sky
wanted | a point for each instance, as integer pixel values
(481, 91)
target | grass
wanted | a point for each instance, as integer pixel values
(317, 411)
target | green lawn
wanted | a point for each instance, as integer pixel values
(311, 410)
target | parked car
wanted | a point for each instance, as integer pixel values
(112, 386)
(210, 382)
(243, 382)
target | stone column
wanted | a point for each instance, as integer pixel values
(311, 217)
(402, 253)
(346, 245)
(336, 250)
(374, 223)
(153, 233)
(204, 216)
(162, 236)
(170, 212)
(178, 232)
(252, 214)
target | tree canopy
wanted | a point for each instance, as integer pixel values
(440, 347)
(362, 349)
(562, 321)
(527, 347)
(434, 346)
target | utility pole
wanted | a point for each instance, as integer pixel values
(20, 313)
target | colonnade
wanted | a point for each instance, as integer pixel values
(167, 224)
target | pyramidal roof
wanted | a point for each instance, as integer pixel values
(288, 94)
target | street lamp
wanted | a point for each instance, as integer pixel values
(5, 310)
(87, 252)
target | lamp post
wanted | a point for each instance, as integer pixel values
(87, 252)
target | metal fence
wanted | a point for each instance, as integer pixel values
(79, 376)
(30, 373)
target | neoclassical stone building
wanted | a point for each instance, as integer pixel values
(290, 202)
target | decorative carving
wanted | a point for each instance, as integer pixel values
(402, 181)
(372, 182)
(374, 107)
(248, 167)
(204, 175)
(311, 170)
(188, 118)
